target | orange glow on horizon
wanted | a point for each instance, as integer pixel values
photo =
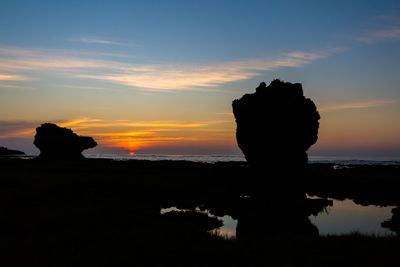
(131, 153)
(136, 143)
(337, 131)
(137, 135)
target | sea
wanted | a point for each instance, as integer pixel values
(240, 158)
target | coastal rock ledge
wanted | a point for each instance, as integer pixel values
(55, 142)
(276, 125)
(10, 152)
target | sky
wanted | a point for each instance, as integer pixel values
(159, 77)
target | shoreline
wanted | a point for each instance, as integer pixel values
(365, 184)
(336, 160)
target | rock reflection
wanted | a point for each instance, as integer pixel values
(393, 223)
(278, 213)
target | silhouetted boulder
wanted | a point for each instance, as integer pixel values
(394, 222)
(194, 221)
(55, 142)
(10, 152)
(276, 125)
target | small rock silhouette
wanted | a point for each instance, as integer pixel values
(10, 152)
(56, 142)
(276, 125)
(394, 222)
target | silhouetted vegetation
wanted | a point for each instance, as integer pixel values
(55, 142)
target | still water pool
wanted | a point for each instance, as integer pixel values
(343, 217)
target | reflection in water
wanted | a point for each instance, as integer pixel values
(228, 229)
(342, 218)
(166, 210)
(277, 213)
(346, 217)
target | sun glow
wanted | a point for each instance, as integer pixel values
(132, 136)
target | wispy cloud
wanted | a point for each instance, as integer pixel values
(359, 105)
(225, 113)
(14, 86)
(7, 52)
(12, 77)
(380, 28)
(82, 87)
(15, 129)
(94, 40)
(24, 129)
(160, 125)
(76, 122)
(193, 77)
(392, 33)
(127, 134)
(162, 76)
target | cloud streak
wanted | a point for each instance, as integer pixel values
(93, 40)
(359, 105)
(381, 35)
(154, 77)
(8, 86)
(17, 129)
(12, 77)
(96, 88)
(130, 135)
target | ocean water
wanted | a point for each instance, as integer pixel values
(194, 158)
(240, 158)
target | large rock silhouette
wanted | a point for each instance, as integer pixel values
(276, 125)
(56, 142)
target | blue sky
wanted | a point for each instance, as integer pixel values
(160, 76)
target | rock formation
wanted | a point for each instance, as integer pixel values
(55, 142)
(276, 125)
(10, 152)
(394, 222)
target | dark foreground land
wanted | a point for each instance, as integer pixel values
(107, 213)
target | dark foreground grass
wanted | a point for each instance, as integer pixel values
(107, 213)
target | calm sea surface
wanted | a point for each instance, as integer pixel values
(217, 158)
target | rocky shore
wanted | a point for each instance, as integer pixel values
(102, 212)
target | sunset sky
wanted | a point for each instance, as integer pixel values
(159, 77)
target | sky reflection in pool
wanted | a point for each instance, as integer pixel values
(228, 228)
(345, 217)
